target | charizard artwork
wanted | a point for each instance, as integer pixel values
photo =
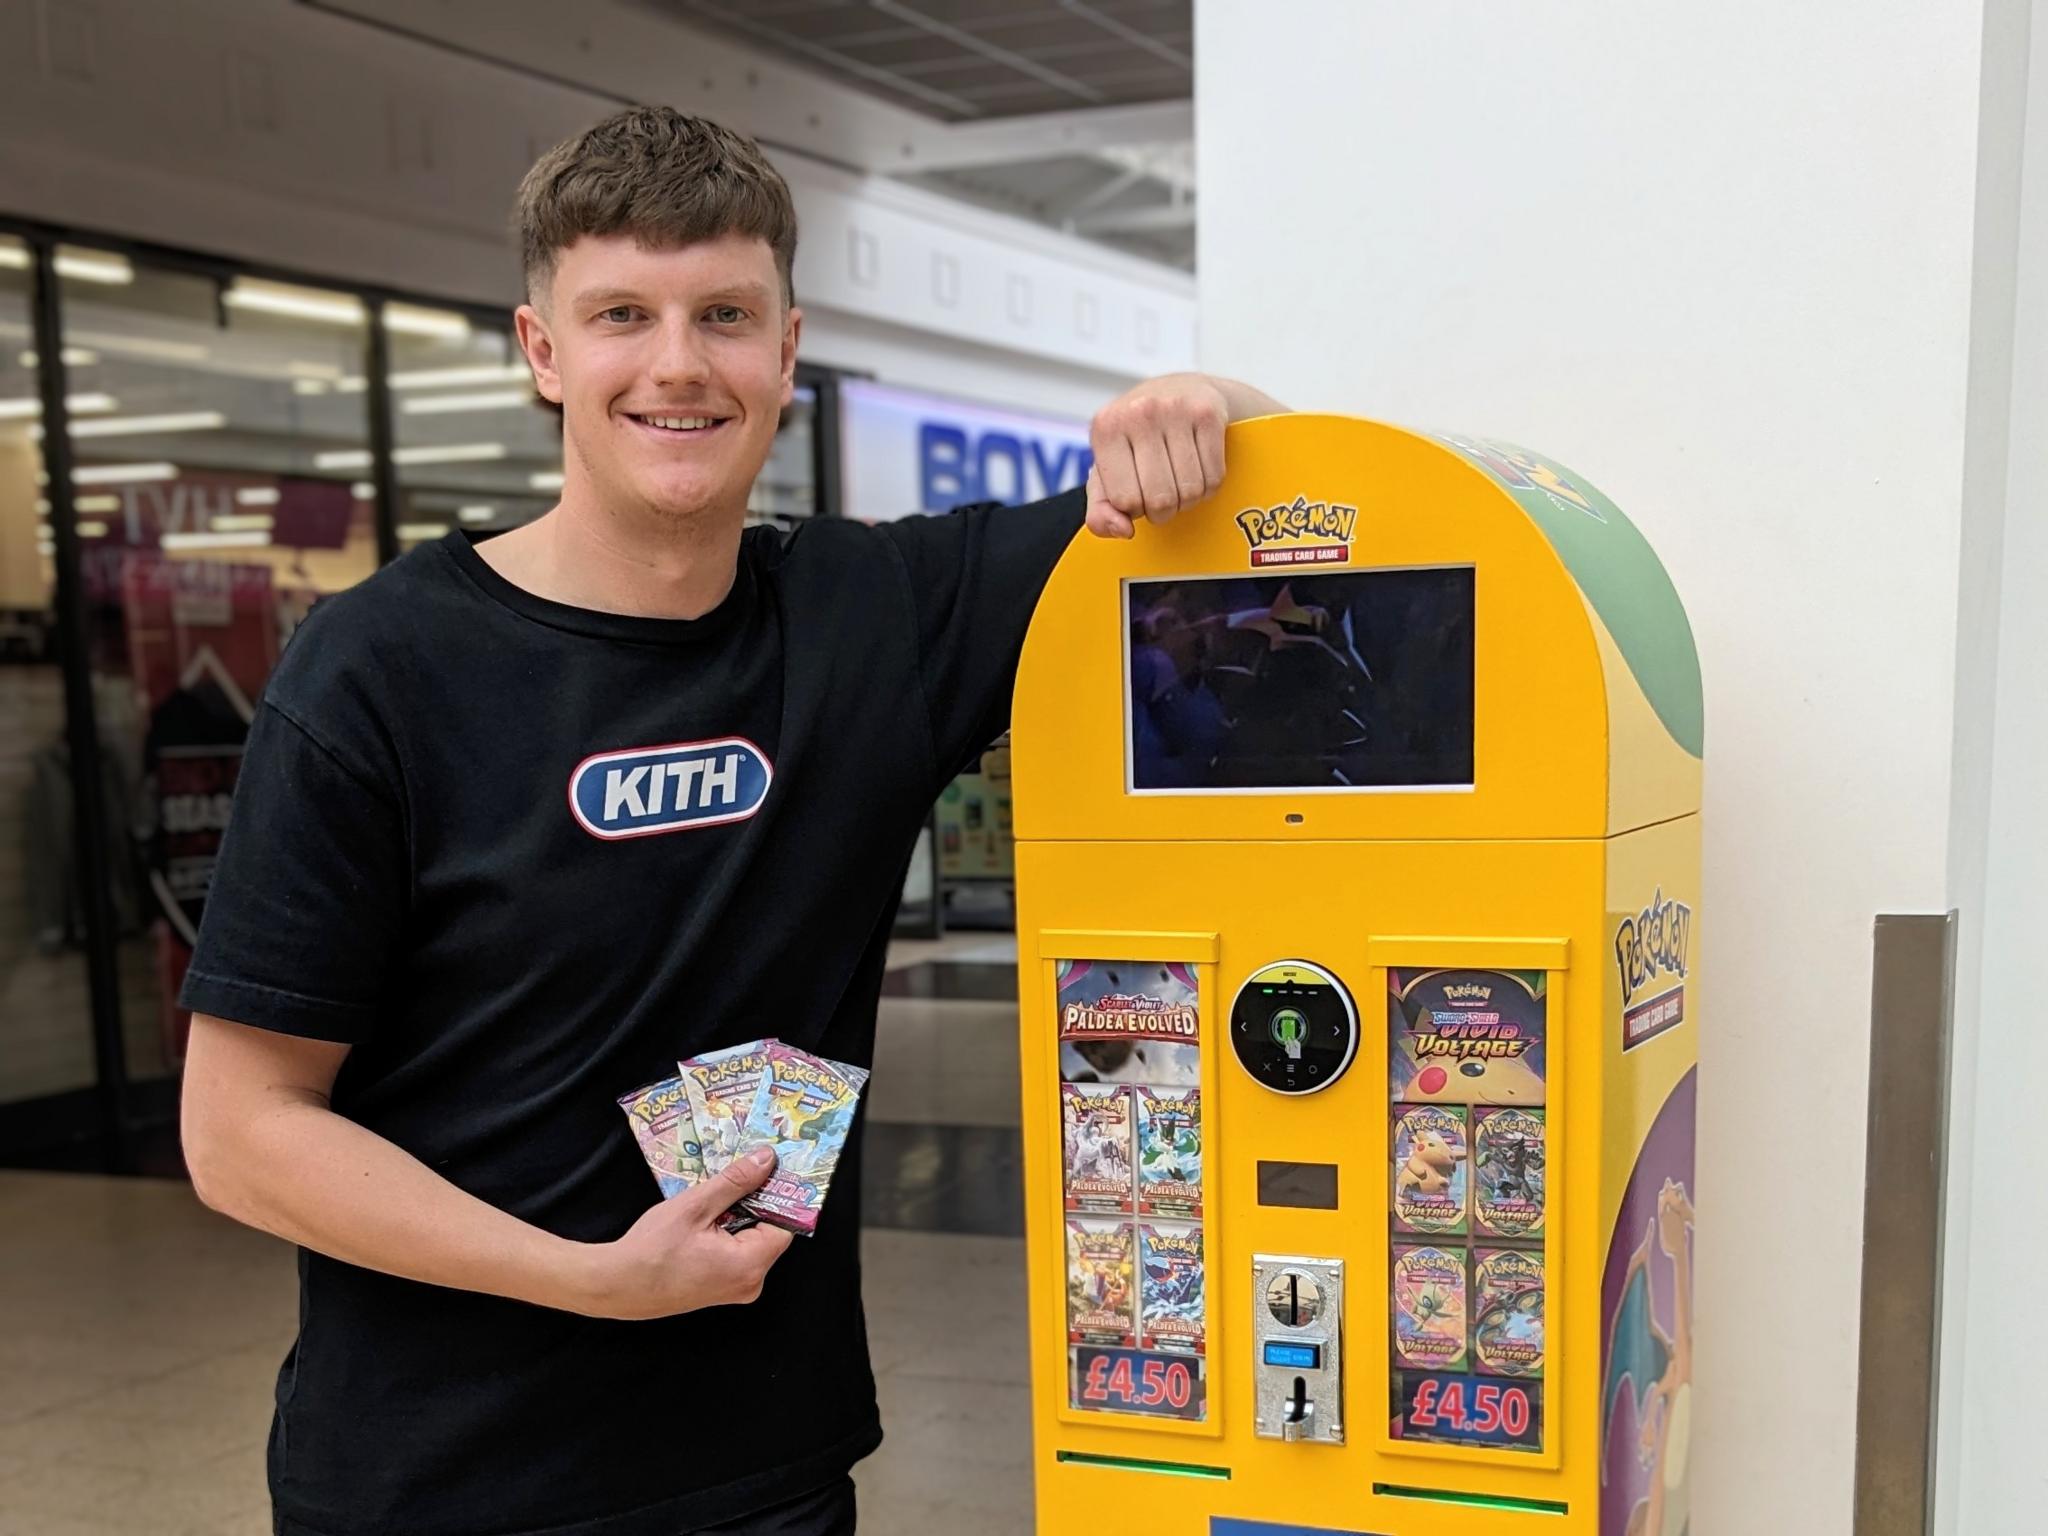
(1657, 1367)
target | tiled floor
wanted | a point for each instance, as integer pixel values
(140, 1333)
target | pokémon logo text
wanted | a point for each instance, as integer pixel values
(1299, 532)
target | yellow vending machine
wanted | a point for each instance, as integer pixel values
(1358, 857)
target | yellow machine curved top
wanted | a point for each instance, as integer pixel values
(1569, 741)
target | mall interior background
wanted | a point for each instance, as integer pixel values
(255, 291)
(1773, 277)
(256, 280)
(276, 240)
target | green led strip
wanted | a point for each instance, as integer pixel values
(1475, 1500)
(1134, 1464)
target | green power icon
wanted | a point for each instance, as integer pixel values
(1290, 1030)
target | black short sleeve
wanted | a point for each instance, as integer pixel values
(302, 922)
(975, 576)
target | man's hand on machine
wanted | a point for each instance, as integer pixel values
(677, 1258)
(1159, 448)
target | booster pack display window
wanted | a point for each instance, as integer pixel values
(1468, 1072)
(1131, 1146)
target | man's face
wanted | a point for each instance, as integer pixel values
(671, 367)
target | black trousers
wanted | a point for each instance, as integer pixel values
(827, 1512)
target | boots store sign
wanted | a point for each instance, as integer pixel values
(903, 452)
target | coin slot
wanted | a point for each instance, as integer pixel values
(1297, 1307)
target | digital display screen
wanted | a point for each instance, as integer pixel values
(1347, 680)
(1294, 1357)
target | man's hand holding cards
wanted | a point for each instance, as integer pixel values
(764, 1095)
(683, 1254)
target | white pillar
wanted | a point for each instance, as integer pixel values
(1991, 1477)
(1717, 259)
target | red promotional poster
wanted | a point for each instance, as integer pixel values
(202, 638)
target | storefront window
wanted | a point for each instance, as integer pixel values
(475, 446)
(46, 1043)
(786, 491)
(222, 483)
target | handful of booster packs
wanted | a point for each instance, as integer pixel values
(724, 1104)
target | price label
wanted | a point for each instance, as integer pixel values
(1138, 1381)
(1470, 1410)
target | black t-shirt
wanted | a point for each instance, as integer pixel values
(522, 857)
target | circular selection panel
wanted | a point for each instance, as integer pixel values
(1294, 1027)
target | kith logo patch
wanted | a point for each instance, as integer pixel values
(645, 790)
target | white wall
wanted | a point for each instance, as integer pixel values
(1991, 1478)
(947, 366)
(1717, 259)
(274, 131)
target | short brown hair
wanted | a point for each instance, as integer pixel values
(665, 178)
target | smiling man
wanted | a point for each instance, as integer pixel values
(523, 821)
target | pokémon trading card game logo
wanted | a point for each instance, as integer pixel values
(1299, 532)
(1653, 944)
(645, 790)
(808, 1074)
(658, 1102)
(730, 1069)
(1171, 1244)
